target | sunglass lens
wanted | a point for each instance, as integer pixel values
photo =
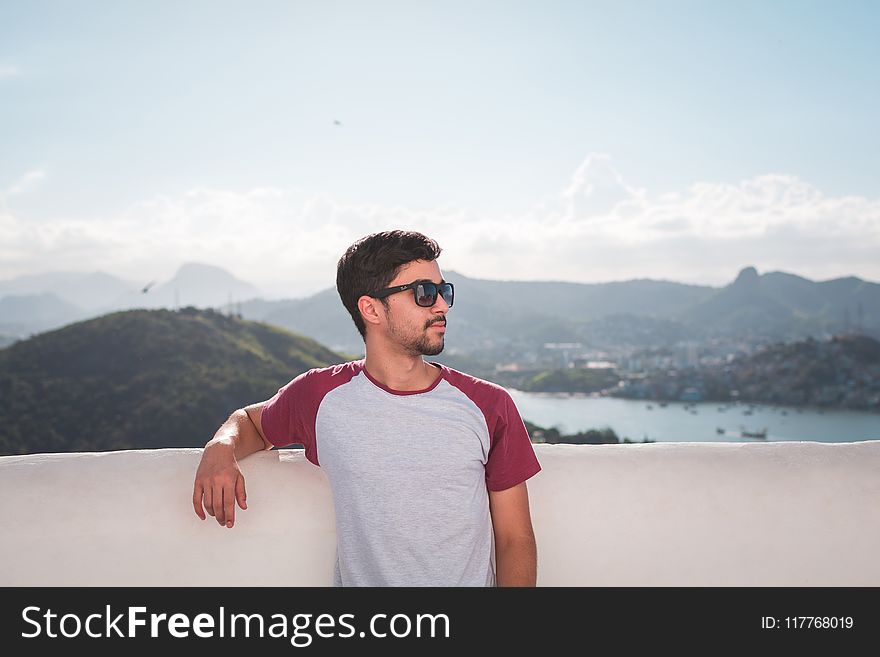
(446, 291)
(426, 294)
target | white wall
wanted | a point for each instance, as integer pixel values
(677, 514)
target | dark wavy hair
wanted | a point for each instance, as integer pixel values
(372, 262)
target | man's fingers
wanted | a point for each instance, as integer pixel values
(240, 493)
(217, 499)
(216, 495)
(197, 500)
(228, 506)
(209, 500)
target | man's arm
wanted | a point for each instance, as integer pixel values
(219, 482)
(516, 555)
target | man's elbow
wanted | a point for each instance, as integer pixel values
(257, 429)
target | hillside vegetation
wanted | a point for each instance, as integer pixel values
(143, 379)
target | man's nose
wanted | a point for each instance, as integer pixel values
(440, 305)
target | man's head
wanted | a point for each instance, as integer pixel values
(382, 260)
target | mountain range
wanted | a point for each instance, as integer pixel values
(35, 303)
(491, 319)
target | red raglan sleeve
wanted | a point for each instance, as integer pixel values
(288, 417)
(511, 457)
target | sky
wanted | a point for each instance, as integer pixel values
(578, 141)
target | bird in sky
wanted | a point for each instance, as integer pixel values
(148, 286)
(336, 122)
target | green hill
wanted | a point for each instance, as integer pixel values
(143, 379)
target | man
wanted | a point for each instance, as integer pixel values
(425, 463)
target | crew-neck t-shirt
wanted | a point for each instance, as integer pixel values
(409, 471)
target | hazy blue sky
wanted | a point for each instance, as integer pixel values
(586, 141)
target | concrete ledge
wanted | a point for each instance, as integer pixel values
(676, 514)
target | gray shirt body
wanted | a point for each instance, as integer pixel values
(409, 471)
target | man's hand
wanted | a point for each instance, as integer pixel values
(220, 483)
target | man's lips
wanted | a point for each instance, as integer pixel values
(439, 325)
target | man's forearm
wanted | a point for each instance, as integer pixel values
(239, 433)
(516, 562)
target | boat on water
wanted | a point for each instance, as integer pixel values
(754, 434)
(719, 430)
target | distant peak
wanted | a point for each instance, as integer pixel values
(746, 276)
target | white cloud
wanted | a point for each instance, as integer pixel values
(703, 234)
(26, 183)
(8, 71)
(595, 189)
(599, 228)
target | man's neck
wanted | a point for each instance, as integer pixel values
(400, 371)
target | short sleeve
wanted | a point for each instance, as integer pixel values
(288, 417)
(511, 458)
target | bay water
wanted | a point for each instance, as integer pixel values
(695, 421)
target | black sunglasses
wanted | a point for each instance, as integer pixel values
(425, 292)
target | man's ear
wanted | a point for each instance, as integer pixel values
(372, 310)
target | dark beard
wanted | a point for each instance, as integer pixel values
(422, 346)
(425, 348)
